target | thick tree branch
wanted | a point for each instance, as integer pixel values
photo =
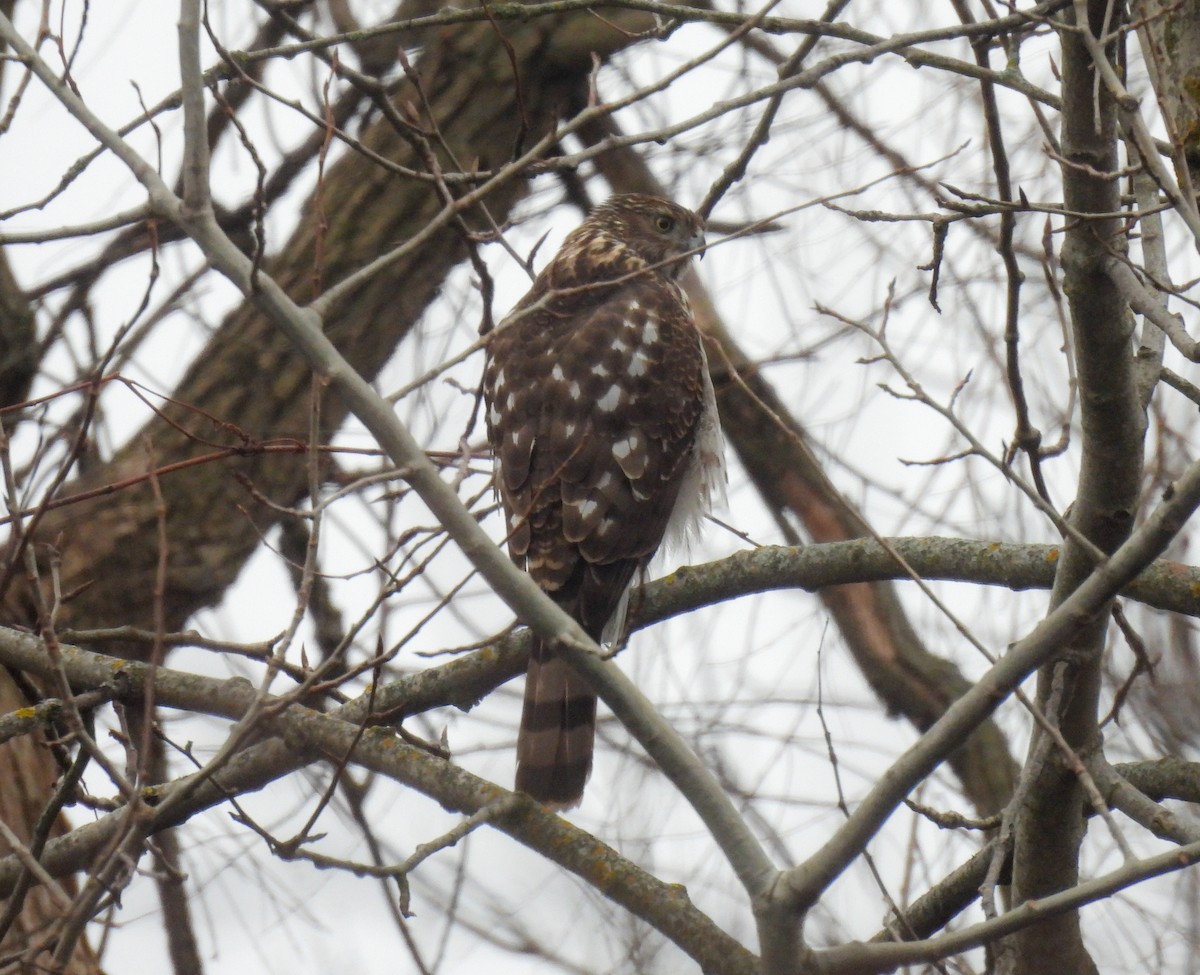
(306, 735)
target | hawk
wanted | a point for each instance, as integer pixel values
(603, 423)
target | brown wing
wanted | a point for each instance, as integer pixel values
(593, 416)
(596, 393)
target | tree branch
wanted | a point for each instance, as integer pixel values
(306, 735)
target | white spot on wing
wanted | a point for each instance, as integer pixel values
(574, 390)
(650, 330)
(623, 448)
(611, 399)
(557, 372)
(639, 365)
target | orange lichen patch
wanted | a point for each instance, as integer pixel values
(603, 874)
(1052, 555)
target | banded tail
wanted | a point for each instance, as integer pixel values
(558, 730)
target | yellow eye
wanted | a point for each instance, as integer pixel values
(665, 223)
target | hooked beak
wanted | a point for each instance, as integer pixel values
(698, 244)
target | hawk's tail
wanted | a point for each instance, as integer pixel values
(558, 730)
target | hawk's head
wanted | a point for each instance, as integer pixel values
(654, 229)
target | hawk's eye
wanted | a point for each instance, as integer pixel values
(664, 223)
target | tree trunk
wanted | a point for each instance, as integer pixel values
(1050, 824)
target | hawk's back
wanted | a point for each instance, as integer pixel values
(603, 422)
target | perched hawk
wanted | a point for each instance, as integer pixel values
(601, 415)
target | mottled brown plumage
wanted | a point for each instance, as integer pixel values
(603, 423)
